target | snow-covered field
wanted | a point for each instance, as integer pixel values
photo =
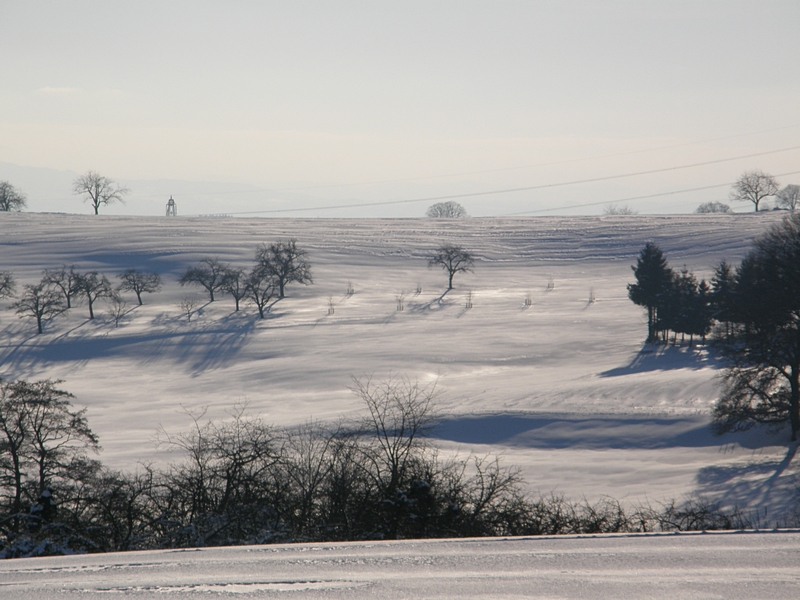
(727, 566)
(564, 388)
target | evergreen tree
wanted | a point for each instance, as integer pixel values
(653, 281)
(685, 295)
(723, 290)
(702, 313)
(762, 383)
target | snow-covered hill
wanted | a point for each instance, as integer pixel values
(563, 388)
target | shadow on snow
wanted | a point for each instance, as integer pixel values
(760, 485)
(199, 348)
(657, 357)
(548, 432)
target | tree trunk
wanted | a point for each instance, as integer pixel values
(794, 401)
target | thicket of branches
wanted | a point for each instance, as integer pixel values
(242, 481)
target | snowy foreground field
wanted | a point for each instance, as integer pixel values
(727, 566)
(563, 388)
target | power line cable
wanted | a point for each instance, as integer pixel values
(647, 196)
(484, 171)
(545, 164)
(516, 189)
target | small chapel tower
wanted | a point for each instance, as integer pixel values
(172, 208)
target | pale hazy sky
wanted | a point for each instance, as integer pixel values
(328, 103)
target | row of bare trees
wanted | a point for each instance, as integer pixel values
(276, 266)
(59, 288)
(242, 481)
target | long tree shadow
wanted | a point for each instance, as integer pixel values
(199, 349)
(657, 357)
(769, 487)
(561, 431)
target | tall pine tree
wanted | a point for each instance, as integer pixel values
(653, 282)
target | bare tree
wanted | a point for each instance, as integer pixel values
(209, 274)
(93, 285)
(8, 286)
(44, 438)
(99, 190)
(446, 210)
(234, 282)
(713, 207)
(117, 307)
(614, 210)
(789, 197)
(260, 288)
(139, 283)
(40, 302)
(284, 262)
(309, 455)
(65, 279)
(187, 306)
(11, 198)
(453, 259)
(754, 186)
(400, 412)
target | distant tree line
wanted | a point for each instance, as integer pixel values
(756, 307)
(243, 481)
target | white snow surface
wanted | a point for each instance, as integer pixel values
(564, 388)
(727, 566)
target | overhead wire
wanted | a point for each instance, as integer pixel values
(632, 198)
(484, 171)
(515, 189)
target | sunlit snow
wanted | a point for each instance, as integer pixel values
(564, 388)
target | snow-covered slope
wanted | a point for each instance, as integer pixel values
(720, 565)
(563, 388)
